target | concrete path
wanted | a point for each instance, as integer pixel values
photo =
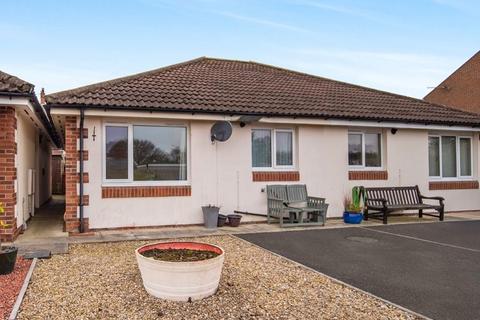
(430, 268)
(45, 229)
(260, 226)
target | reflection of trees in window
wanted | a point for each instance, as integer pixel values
(117, 149)
(372, 159)
(261, 148)
(153, 163)
(145, 152)
(117, 159)
(355, 149)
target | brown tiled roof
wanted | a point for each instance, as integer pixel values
(461, 89)
(12, 84)
(238, 87)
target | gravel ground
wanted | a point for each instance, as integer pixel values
(102, 281)
(10, 285)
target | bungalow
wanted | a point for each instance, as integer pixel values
(145, 155)
(26, 139)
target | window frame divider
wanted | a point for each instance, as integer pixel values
(458, 176)
(363, 167)
(273, 137)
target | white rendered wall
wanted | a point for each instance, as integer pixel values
(26, 159)
(221, 173)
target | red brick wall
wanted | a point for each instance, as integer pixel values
(461, 89)
(143, 192)
(275, 176)
(8, 172)
(368, 175)
(453, 185)
(72, 134)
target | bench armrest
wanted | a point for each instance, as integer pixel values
(315, 200)
(280, 201)
(434, 198)
(440, 199)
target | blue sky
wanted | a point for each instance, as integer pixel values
(398, 46)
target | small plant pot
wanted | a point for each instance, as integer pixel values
(352, 217)
(222, 219)
(210, 216)
(234, 220)
(8, 257)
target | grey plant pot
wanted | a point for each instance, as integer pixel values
(210, 216)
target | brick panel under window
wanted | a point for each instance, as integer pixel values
(368, 175)
(144, 192)
(275, 176)
(453, 185)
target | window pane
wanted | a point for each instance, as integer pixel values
(355, 149)
(449, 157)
(261, 148)
(116, 152)
(433, 156)
(159, 153)
(465, 157)
(373, 150)
(284, 146)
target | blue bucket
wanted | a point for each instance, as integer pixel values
(352, 217)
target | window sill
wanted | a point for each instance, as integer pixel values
(453, 185)
(264, 176)
(172, 183)
(368, 175)
(145, 191)
(274, 169)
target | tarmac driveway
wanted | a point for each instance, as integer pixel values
(430, 268)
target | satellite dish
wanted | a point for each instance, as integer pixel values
(221, 131)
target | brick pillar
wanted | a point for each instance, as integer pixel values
(8, 172)
(72, 156)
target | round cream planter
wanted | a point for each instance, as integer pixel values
(180, 281)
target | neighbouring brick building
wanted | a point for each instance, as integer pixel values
(26, 137)
(145, 156)
(461, 89)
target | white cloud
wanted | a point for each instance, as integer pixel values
(405, 73)
(260, 21)
(348, 10)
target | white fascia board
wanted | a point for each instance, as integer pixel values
(143, 114)
(272, 120)
(23, 103)
(357, 123)
(14, 101)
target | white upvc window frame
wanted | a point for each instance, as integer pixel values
(363, 166)
(273, 150)
(130, 181)
(129, 157)
(457, 150)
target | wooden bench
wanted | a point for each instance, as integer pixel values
(294, 203)
(380, 202)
